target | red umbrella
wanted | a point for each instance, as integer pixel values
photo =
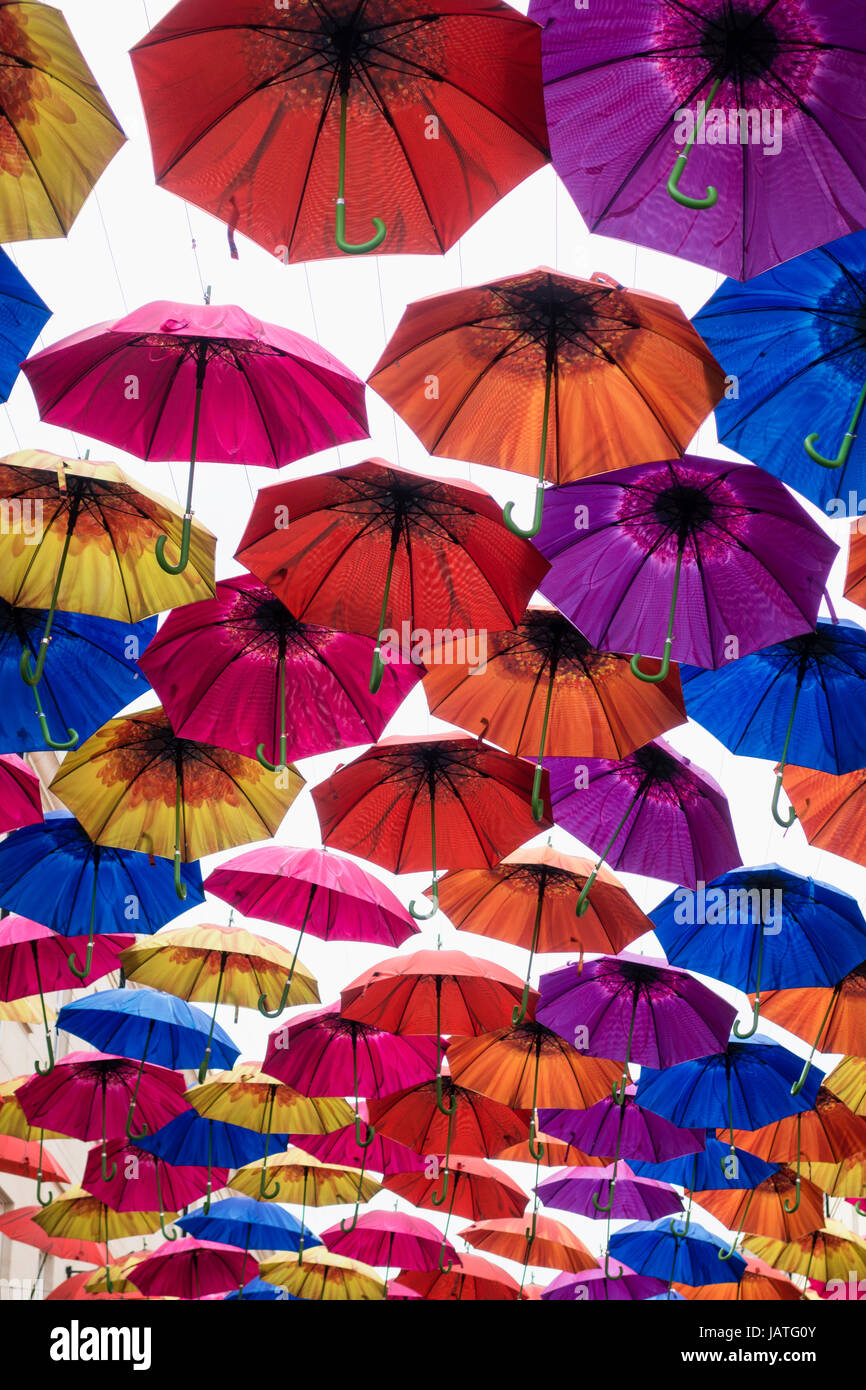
(18, 1224)
(251, 107)
(374, 544)
(193, 1268)
(478, 1190)
(24, 1158)
(408, 806)
(475, 1280)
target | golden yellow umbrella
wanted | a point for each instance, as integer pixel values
(118, 1274)
(58, 132)
(80, 1216)
(845, 1179)
(302, 1178)
(135, 785)
(14, 1122)
(26, 1010)
(322, 1274)
(215, 964)
(79, 537)
(848, 1082)
(248, 1097)
(832, 1252)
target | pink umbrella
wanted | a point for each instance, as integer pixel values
(396, 1291)
(315, 890)
(141, 1181)
(341, 1146)
(193, 1268)
(172, 381)
(241, 671)
(20, 797)
(390, 1238)
(88, 1096)
(34, 959)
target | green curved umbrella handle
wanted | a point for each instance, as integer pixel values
(756, 1008)
(174, 1235)
(448, 1110)
(416, 913)
(677, 1220)
(272, 767)
(518, 1013)
(43, 1202)
(42, 1071)
(82, 974)
(205, 1061)
(665, 667)
(275, 1013)
(602, 1206)
(162, 542)
(529, 1231)
(107, 1176)
(179, 885)
(425, 916)
(847, 443)
(537, 803)
(186, 533)
(260, 750)
(712, 194)
(438, 1198)
(349, 248)
(791, 1210)
(131, 1111)
(268, 1196)
(60, 745)
(784, 823)
(368, 1138)
(377, 669)
(582, 905)
(608, 1272)
(347, 1230)
(536, 1147)
(447, 1266)
(729, 1254)
(32, 675)
(533, 529)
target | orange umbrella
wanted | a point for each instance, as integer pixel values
(847, 1081)
(478, 1191)
(529, 900)
(14, 1123)
(543, 681)
(19, 1224)
(553, 1245)
(544, 373)
(830, 809)
(834, 1017)
(855, 578)
(759, 1284)
(527, 1065)
(555, 1154)
(25, 1159)
(476, 1279)
(767, 1207)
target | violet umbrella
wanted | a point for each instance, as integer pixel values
(392, 1239)
(723, 548)
(193, 1269)
(20, 797)
(143, 1182)
(594, 1284)
(672, 819)
(762, 100)
(313, 890)
(34, 959)
(631, 1198)
(170, 381)
(644, 1135)
(88, 1096)
(241, 671)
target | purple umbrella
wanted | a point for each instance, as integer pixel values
(241, 671)
(594, 1284)
(638, 1006)
(631, 1198)
(672, 820)
(764, 100)
(723, 547)
(644, 1135)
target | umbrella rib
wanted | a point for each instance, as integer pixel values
(388, 118)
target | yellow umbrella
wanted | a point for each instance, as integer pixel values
(118, 1274)
(832, 1252)
(845, 1179)
(26, 1010)
(14, 1122)
(302, 1178)
(848, 1082)
(58, 131)
(215, 964)
(248, 1097)
(321, 1274)
(80, 538)
(79, 1215)
(135, 785)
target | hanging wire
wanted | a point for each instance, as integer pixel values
(111, 252)
(378, 260)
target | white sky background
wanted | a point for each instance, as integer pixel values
(132, 244)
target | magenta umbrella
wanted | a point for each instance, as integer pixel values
(143, 1182)
(631, 1198)
(341, 1146)
(390, 1238)
(20, 796)
(193, 1268)
(88, 1096)
(240, 671)
(641, 1133)
(720, 551)
(34, 959)
(672, 819)
(314, 890)
(173, 381)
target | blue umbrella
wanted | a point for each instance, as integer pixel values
(192, 1140)
(764, 926)
(664, 1249)
(796, 696)
(257, 1288)
(745, 1087)
(672, 1296)
(94, 677)
(22, 318)
(151, 1026)
(793, 339)
(242, 1221)
(700, 1172)
(60, 878)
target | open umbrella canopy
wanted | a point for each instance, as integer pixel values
(324, 1275)
(631, 1198)
(473, 1280)
(21, 1158)
(390, 1238)
(22, 317)
(552, 1246)
(668, 1251)
(20, 1224)
(192, 1268)
(252, 122)
(147, 1023)
(248, 1224)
